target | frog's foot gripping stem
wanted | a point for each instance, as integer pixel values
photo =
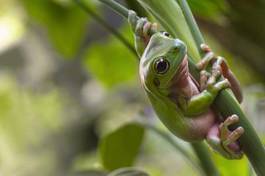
(210, 83)
(143, 30)
(229, 138)
(219, 67)
(224, 141)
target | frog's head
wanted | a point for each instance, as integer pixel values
(160, 62)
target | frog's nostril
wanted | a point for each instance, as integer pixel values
(176, 49)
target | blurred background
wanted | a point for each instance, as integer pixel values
(66, 82)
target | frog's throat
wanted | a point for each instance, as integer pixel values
(179, 80)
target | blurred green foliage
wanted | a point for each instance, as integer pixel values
(35, 122)
(119, 148)
(64, 22)
(26, 119)
(111, 62)
(232, 167)
(209, 9)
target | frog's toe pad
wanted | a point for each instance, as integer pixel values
(205, 48)
(229, 138)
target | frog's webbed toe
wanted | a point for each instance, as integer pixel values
(224, 141)
(229, 138)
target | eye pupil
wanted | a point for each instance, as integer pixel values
(161, 65)
(166, 34)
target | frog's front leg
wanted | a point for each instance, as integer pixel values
(219, 67)
(143, 30)
(199, 103)
(224, 141)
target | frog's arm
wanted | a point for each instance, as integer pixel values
(199, 103)
(220, 64)
(209, 85)
(143, 30)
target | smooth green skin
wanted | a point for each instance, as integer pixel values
(187, 115)
(180, 118)
(177, 118)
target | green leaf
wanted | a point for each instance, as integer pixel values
(128, 172)
(120, 148)
(232, 167)
(65, 23)
(111, 63)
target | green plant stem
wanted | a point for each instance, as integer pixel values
(176, 146)
(134, 5)
(123, 11)
(205, 160)
(226, 104)
(194, 28)
(106, 25)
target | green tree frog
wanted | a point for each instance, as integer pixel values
(181, 103)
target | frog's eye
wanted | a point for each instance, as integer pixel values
(166, 34)
(161, 65)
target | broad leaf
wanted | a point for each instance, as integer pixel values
(111, 63)
(232, 167)
(120, 148)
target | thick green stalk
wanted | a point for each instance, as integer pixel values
(134, 5)
(116, 7)
(194, 28)
(227, 105)
(205, 159)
